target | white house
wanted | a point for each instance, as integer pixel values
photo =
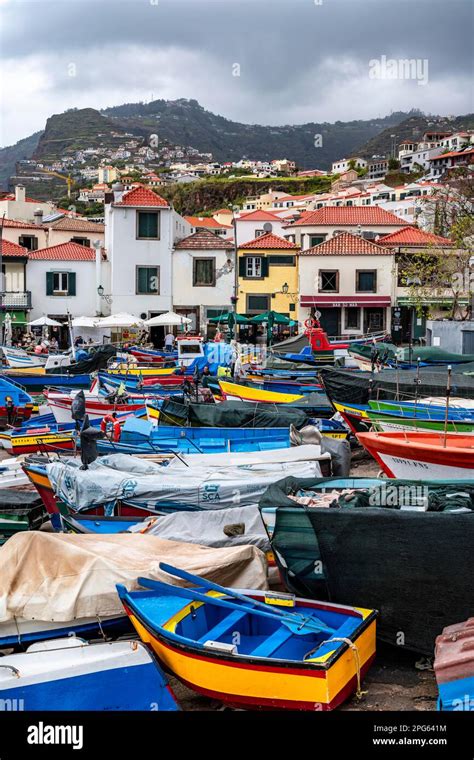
(251, 225)
(344, 164)
(18, 206)
(410, 161)
(62, 280)
(203, 277)
(349, 282)
(314, 227)
(141, 229)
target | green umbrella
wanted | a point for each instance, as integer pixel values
(229, 316)
(272, 317)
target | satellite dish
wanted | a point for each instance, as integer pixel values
(267, 227)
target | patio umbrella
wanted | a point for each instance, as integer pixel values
(120, 320)
(45, 322)
(274, 317)
(89, 322)
(169, 319)
(223, 318)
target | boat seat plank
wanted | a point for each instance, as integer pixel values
(223, 626)
(267, 647)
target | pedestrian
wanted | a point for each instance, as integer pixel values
(169, 342)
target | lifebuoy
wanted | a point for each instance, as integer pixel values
(109, 419)
(311, 322)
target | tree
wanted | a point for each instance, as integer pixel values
(393, 163)
(441, 272)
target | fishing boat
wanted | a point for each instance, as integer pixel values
(19, 511)
(15, 404)
(151, 356)
(177, 411)
(421, 421)
(322, 529)
(364, 417)
(131, 369)
(96, 407)
(454, 667)
(240, 392)
(37, 439)
(11, 473)
(144, 386)
(427, 455)
(378, 355)
(281, 385)
(71, 674)
(253, 649)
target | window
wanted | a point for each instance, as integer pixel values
(60, 283)
(366, 281)
(148, 280)
(253, 266)
(259, 233)
(292, 307)
(282, 261)
(81, 241)
(329, 281)
(204, 272)
(352, 318)
(148, 225)
(28, 241)
(316, 239)
(258, 303)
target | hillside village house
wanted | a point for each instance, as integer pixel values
(268, 276)
(141, 229)
(18, 206)
(210, 223)
(203, 278)
(407, 322)
(64, 229)
(347, 282)
(314, 227)
(256, 223)
(344, 164)
(65, 280)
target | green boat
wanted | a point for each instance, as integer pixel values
(20, 511)
(390, 422)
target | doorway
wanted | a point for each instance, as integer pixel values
(330, 321)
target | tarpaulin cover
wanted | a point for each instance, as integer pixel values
(54, 576)
(415, 567)
(411, 354)
(230, 414)
(97, 359)
(215, 528)
(121, 476)
(292, 345)
(350, 387)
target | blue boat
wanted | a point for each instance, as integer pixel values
(15, 404)
(141, 437)
(37, 382)
(70, 674)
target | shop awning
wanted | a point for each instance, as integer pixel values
(336, 300)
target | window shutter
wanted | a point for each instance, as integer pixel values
(264, 266)
(142, 280)
(49, 283)
(242, 266)
(72, 284)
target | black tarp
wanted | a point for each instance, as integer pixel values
(98, 359)
(415, 567)
(230, 414)
(352, 387)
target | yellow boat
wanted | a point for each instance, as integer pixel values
(257, 395)
(137, 369)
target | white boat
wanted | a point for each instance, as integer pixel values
(11, 473)
(70, 674)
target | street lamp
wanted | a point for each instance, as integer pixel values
(285, 288)
(100, 291)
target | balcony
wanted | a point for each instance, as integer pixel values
(15, 300)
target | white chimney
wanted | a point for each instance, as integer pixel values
(117, 189)
(20, 193)
(38, 217)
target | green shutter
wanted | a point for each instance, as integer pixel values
(142, 280)
(71, 291)
(147, 224)
(49, 283)
(242, 266)
(264, 266)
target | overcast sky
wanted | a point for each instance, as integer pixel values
(300, 60)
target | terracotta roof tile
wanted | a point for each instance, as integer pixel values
(141, 197)
(347, 244)
(13, 249)
(206, 221)
(259, 216)
(204, 240)
(416, 237)
(64, 252)
(270, 242)
(348, 216)
(76, 225)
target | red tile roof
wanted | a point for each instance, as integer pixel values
(13, 249)
(206, 221)
(11, 197)
(351, 216)
(416, 237)
(453, 153)
(270, 242)
(64, 252)
(347, 244)
(76, 225)
(141, 196)
(204, 240)
(17, 223)
(259, 216)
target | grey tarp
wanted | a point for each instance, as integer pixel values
(120, 476)
(230, 414)
(208, 527)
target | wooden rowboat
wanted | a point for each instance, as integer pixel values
(421, 455)
(247, 393)
(254, 651)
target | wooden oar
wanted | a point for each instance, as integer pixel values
(298, 626)
(185, 576)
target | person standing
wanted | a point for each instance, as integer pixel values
(169, 342)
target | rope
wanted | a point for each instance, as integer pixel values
(355, 652)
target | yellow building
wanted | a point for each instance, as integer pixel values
(268, 276)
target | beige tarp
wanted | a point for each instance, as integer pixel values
(61, 577)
